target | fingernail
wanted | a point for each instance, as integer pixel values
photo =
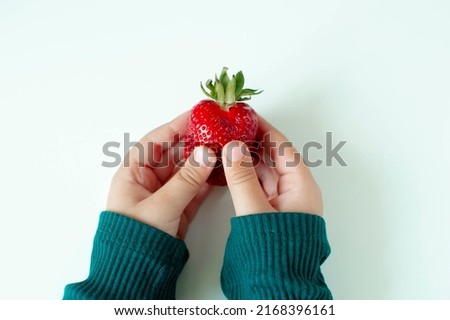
(202, 157)
(237, 152)
(198, 156)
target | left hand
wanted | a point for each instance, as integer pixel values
(151, 188)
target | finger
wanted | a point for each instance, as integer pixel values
(246, 192)
(193, 206)
(279, 152)
(183, 227)
(173, 197)
(191, 210)
(264, 127)
(295, 178)
(149, 150)
(169, 162)
(268, 179)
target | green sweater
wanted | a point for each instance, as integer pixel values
(267, 256)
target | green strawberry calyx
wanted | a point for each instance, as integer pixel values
(227, 91)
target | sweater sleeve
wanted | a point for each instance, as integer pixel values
(276, 256)
(130, 260)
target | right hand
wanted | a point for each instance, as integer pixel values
(284, 184)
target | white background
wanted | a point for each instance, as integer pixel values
(77, 74)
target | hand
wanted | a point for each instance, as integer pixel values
(151, 188)
(279, 182)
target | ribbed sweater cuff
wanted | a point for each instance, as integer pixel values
(276, 256)
(130, 260)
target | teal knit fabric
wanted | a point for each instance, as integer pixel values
(130, 260)
(276, 256)
(268, 256)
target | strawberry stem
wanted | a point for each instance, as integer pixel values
(228, 91)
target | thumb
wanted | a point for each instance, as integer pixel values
(246, 192)
(178, 192)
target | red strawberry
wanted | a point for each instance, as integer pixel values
(214, 123)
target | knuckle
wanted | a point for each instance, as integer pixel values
(242, 175)
(190, 177)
